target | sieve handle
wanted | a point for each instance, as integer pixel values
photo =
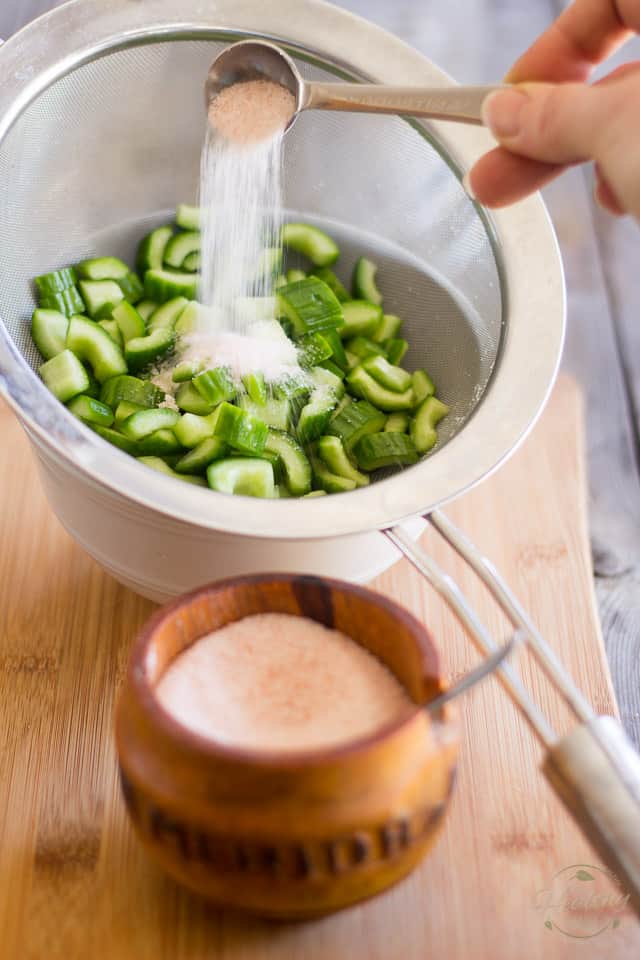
(595, 770)
(462, 104)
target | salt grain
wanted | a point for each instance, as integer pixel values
(251, 111)
(278, 682)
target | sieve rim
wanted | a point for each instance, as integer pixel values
(522, 238)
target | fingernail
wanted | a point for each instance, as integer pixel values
(466, 185)
(501, 112)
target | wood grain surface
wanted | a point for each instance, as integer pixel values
(75, 884)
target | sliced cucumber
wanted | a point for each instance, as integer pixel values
(56, 281)
(423, 386)
(423, 426)
(189, 400)
(310, 306)
(156, 463)
(388, 328)
(387, 375)
(142, 392)
(68, 301)
(361, 319)
(246, 476)
(338, 354)
(146, 307)
(100, 296)
(124, 409)
(256, 387)
(131, 287)
(364, 281)
(113, 330)
(49, 331)
(117, 439)
(192, 429)
(321, 377)
(363, 385)
(241, 430)
(332, 452)
(396, 349)
(357, 419)
(129, 321)
(188, 217)
(313, 349)
(102, 268)
(192, 262)
(397, 423)
(163, 285)
(295, 465)
(198, 459)
(167, 315)
(315, 416)
(215, 385)
(363, 348)
(94, 345)
(151, 250)
(313, 243)
(333, 282)
(142, 351)
(186, 370)
(65, 376)
(187, 322)
(326, 480)
(180, 246)
(161, 443)
(144, 422)
(91, 410)
(294, 275)
(385, 450)
(274, 413)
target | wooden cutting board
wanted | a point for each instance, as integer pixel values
(74, 883)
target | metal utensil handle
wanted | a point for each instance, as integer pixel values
(463, 104)
(595, 768)
(601, 790)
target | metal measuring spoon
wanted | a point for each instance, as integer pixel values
(254, 59)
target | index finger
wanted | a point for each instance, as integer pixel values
(584, 35)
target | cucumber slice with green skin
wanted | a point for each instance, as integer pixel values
(256, 387)
(91, 410)
(396, 349)
(363, 385)
(241, 430)
(332, 452)
(310, 306)
(93, 389)
(124, 409)
(314, 494)
(146, 307)
(280, 281)
(198, 459)
(186, 370)
(387, 375)
(357, 419)
(65, 376)
(180, 246)
(142, 351)
(131, 287)
(282, 493)
(294, 275)
(142, 392)
(423, 426)
(313, 243)
(151, 250)
(397, 423)
(274, 413)
(423, 386)
(363, 348)
(244, 476)
(332, 368)
(189, 400)
(188, 217)
(192, 262)
(56, 282)
(293, 461)
(315, 416)
(102, 268)
(167, 315)
(129, 321)
(346, 400)
(364, 281)
(163, 285)
(144, 422)
(215, 385)
(352, 360)
(68, 301)
(49, 331)
(361, 319)
(100, 296)
(326, 480)
(113, 330)
(117, 439)
(156, 463)
(94, 345)
(338, 355)
(161, 443)
(313, 349)
(333, 282)
(187, 322)
(385, 450)
(321, 377)
(388, 328)
(191, 429)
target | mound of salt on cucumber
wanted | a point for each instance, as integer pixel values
(340, 408)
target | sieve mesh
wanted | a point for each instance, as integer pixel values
(108, 151)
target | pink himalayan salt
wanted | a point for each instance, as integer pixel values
(280, 682)
(251, 110)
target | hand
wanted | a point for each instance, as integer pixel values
(553, 119)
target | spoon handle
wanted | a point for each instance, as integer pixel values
(462, 104)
